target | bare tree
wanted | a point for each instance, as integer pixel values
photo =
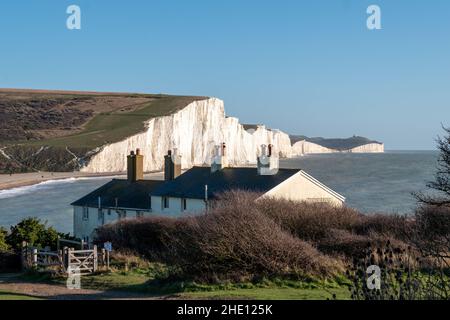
(441, 184)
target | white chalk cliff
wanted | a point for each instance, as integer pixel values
(194, 131)
(305, 147)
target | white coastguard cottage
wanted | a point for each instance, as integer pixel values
(191, 191)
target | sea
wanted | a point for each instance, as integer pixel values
(379, 182)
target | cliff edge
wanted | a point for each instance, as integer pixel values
(63, 131)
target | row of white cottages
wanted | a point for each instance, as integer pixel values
(190, 192)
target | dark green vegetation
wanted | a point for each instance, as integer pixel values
(337, 144)
(405, 274)
(59, 131)
(31, 230)
(14, 296)
(133, 276)
(146, 281)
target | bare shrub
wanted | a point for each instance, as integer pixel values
(148, 236)
(343, 242)
(388, 225)
(234, 239)
(308, 221)
(432, 231)
(237, 236)
(402, 276)
(126, 259)
(242, 236)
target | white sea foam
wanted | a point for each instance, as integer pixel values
(49, 184)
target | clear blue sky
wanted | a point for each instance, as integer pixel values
(306, 67)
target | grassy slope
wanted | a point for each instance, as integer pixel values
(13, 296)
(115, 126)
(143, 282)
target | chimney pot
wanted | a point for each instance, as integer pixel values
(219, 160)
(172, 166)
(263, 149)
(135, 166)
(224, 147)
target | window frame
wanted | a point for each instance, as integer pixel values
(101, 215)
(85, 214)
(165, 203)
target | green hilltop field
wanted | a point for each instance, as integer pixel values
(37, 125)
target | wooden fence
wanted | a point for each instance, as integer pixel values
(66, 260)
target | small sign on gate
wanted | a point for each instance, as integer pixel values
(107, 246)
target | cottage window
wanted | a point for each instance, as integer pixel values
(122, 214)
(139, 214)
(165, 201)
(85, 213)
(183, 204)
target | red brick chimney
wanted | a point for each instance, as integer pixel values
(135, 166)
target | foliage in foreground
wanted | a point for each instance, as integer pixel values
(3, 245)
(404, 275)
(240, 238)
(31, 230)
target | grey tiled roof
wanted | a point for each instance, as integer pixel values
(133, 195)
(192, 183)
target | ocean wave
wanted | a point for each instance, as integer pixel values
(14, 192)
(49, 184)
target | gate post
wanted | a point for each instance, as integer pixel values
(95, 259)
(35, 258)
(24, 256)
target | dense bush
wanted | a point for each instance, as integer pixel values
(308, 221)
(33, 231)
(9, 261)
(234, 240)
(431, 232)
(3, 245)
(387, 225)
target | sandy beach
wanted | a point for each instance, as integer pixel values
(26, 179)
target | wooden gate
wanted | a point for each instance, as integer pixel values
(81, 261)
(67, 260)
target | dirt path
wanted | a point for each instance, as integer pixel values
(12, 283)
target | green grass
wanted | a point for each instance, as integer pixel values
(114, 126)
(151, 281)
(271, 294)
(14, 296)
(144, 282)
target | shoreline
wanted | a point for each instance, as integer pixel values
(17, 180)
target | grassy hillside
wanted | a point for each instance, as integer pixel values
(37, 128)
(337, 144)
